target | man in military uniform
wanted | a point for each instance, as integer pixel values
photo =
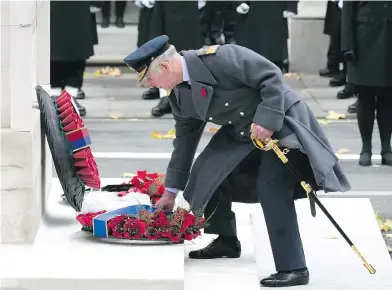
(242, 91)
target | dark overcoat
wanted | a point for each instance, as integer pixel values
(180, 20)
(264, 29)
(143, 27)
(71, 34)
(333, 17)
(97, 4)
(234, 88)
(367, 30)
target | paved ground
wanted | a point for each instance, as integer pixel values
(120, 126)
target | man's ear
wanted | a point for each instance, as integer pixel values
(165, 66)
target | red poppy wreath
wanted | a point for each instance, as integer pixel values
(127, 211)
(123, 211)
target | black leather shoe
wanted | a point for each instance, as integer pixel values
(120, 22)
(217, 249)
(344, 94)
(162, 108)
(80, 95)
(151, 94)
(280, 279)
(105, 22)
(352, 109)
(386, 158)
(328, 72)
(207, 41)
(338, 80)
(218, 40)
(230, 40)
(365, 158)
(82, 110)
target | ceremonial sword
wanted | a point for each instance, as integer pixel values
(311, 194)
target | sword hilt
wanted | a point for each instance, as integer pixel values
(271, 144)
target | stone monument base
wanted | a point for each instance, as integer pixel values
(25, 182)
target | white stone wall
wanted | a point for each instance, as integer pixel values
(307, 37)
(25, 158)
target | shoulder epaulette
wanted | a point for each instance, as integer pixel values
(208, 50)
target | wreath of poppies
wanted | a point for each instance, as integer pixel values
(147, 224)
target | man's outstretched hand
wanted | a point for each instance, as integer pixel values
(166, 202)
(260, 133)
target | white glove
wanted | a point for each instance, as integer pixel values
(138, 3)
(148, 3)
(94, 9)
(201, 4)
(288, 14)
(243, 8)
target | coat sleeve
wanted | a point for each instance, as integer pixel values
(348, 29)
(188, 134)
(251, 69)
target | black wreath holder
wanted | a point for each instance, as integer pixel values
(69, 142)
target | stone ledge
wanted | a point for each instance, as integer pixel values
(24, 183)
(332, 263)
(20, 155)
(64, 258)
(224, 273)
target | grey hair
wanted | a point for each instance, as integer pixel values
(169, 54)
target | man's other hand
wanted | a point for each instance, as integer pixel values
(166, 202)
(260, 133)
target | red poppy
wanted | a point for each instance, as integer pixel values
(203, 92)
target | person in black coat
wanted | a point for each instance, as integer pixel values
(332, 27)
(262, 27)
(180, 20)
(71, 44)
(367, 47)
(218, 17)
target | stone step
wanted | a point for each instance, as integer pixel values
(224, 273)
(332, 263)
(64, 258)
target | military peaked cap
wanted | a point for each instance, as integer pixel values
(141, 59)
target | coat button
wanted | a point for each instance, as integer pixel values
(242, 113)
(210, 118)
(229, 122)
(242, 133)
(227, 104)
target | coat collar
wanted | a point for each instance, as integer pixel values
(201, 82)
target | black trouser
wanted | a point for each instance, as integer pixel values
(67, 73)
(334, 54)
(120, 8)
(275, 188)
(375, 104)
(218, 16)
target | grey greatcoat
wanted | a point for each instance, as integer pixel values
(234, 88)
(367, 30)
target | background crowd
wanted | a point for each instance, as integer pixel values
(359, 56)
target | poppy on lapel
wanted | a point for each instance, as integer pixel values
(203, 92)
